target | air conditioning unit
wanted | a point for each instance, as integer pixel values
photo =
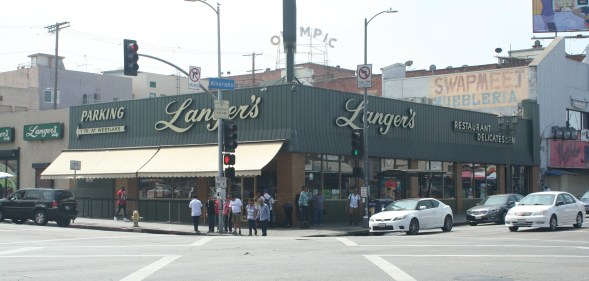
(585, 135)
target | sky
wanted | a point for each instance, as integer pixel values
(439, 32)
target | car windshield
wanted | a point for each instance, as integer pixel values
(409, 204)
(586, 195)
(538, 199)
(494, 200)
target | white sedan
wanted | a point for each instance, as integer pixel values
(411, 215)
(546, 209)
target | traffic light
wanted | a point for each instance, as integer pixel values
(230, 137)
(230, 172)
(357, 143)
(229, 159)
(131, 57)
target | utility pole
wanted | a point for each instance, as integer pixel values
(56, 28)
(253, 71)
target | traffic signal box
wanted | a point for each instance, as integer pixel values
(131, 57)
(229, 145)
(357, 144)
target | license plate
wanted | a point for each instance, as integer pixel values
(382, 225)
(67, 208)
(477, 217)
(521, 220)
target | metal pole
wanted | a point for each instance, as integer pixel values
(365, 119)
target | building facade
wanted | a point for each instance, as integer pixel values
(164, 149)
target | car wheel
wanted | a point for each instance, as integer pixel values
(19, 221)
(63, 222)
(413, 227)
(40, 217)
(448, 223)
(579, 221)
(513, 228)
(471, 223)
(377, 233)
(553, 223)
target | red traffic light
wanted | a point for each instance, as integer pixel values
(133, 47)
(229, 159)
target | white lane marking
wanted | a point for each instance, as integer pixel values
(347, 242)
(72, 239)
(487, 256)
(202, 241)
(393, 271)
(77, 256)
(20, 250)
(150, 269)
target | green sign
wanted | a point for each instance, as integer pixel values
(43, 131)
(6, 134)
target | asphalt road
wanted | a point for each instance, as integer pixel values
(484, 252)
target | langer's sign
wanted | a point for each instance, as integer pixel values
(384, 120)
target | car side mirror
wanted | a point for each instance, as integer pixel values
(422, 208)
(510, 202)
(559, 203)
(516, 203)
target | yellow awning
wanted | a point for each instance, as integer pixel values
(120, 163)
(203, 161)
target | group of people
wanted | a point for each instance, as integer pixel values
(257, 212)
(305, 198)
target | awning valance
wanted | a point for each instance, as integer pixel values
(203, 161)
(120, 163)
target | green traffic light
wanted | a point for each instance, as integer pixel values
(355, 152)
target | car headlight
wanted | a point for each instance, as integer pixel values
(540, 213)
(400, 218)
(371, 218)
(509, 213)
(493, 211)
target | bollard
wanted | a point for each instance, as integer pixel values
(135, 218)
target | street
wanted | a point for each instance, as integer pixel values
(484, 252)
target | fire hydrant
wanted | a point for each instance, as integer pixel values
(136, 218)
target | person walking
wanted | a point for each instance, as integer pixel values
(122, 204)
(318, 201)
(354, 207)
(227, 215)
(212, 212)
(252, 213)
(270, 202)
(264, 214)
(304, 199)
(196, 210)
(236, 206)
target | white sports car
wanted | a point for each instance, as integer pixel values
(546, 209)
(411, 215)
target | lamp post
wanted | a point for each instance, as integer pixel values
(365, 115)
(507, 128)
(219, 97)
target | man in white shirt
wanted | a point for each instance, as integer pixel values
(236, 207)
(196, 211)
(354, 207)
(270, 202)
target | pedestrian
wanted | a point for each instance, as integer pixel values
(269, 200)
(212, 212)
(227, 215)
(304, 199)
(196, 210)
(318, 208)
(252, 214)
(236, 206)
(264, 215)
(354, 206)
(122, 204)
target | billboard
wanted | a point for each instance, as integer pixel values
(560, 15)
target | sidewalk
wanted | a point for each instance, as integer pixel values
(329, 230)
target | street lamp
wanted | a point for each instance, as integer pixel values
(507, 128)
(365, 117)
(219, 97)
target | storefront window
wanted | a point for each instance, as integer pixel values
(331, 174)
(478, 180)
(8, 185)
(154, 188)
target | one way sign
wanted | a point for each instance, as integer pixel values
(194, 78)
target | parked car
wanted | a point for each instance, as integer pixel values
(585, 200)
(546, 209)
(40, 205)
(492, 209)
(411, 215)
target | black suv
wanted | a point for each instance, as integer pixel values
(41, 205)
